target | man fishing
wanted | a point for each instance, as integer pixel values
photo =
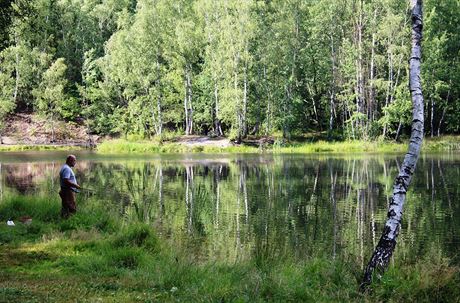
(69, 187)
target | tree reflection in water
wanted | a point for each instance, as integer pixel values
(236, 207)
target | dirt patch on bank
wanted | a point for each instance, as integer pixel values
(203, 141)
(31, 129)
(223, 142)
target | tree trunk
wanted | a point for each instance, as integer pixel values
(440, 121)
(432, 117)
(359, 72)
(16, 86)
(387, 98)
(217, 124)
(190, 115)
(332, 96)
(371, 104)
(387, 243)
(52, 132)
(245, 103)
(160, 122)
(287, 112)
(186, 106)
(398, 130)
(444, 109)
(188, 102)
(238, 107)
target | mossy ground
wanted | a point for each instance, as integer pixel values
(96, 257)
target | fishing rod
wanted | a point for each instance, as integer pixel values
(78, 190)
(90, 190)
(93, 191)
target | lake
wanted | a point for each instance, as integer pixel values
(230, 207)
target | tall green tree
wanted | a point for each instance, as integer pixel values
(52, 100)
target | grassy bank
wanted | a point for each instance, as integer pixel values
(442, 144)
(125, 146)
(115, 146)
(95, 257)
(18, 148)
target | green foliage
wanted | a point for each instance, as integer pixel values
(7, 102)
(244, 67)
(51, 93)
(399, 112)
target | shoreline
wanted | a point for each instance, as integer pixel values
(202, 144)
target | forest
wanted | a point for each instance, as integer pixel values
(230, 68)
(231, 150)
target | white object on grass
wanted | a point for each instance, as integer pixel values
(10, 223)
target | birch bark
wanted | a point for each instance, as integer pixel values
(384, 250)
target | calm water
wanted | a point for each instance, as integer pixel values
(230, 207)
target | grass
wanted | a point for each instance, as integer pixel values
(442, 144)
(16, 148)
(94, 257)
(137, 146)
(341, 147)
(126, 146)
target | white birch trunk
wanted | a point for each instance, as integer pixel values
(360, 104)
(16, 86)
(190, 117)
(217, 124)
(159, 129)
(444, 109)
(332, 96)
(384, 250)
(440, 121)
(245, 103)
(371, 104)
(159, 124)
(188, 101)
(186, 107)
(389, 88)
(432, 117)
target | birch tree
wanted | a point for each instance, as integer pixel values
(52, 100)
(387, 243)
(234, 67)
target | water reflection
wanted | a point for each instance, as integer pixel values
(231, 208)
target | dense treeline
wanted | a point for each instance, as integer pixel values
(233, 68)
